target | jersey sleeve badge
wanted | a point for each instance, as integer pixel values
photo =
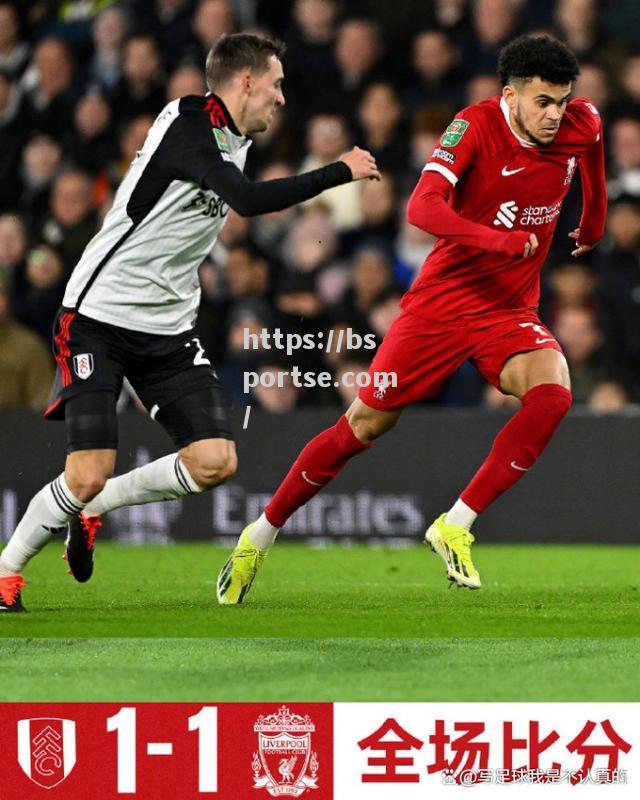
(222, 141)
(454, 133)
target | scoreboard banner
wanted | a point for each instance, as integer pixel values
(319, 751)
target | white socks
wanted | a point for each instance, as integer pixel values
(460, 514)
(262, 533)
(47, 513)
(166, 478)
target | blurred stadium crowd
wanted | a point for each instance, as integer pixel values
(82, 80)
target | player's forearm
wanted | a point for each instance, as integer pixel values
(429, 210)
(251, 198)
(594, 194)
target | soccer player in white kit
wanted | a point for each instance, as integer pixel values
(131, 302)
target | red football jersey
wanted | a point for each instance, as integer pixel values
(507, 184)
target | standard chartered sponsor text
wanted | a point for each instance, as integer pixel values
(308, 379)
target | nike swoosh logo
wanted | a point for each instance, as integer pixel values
(506, 172)
(541, 341)
(308, 480)
(515, 466)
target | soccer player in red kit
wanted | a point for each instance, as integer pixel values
(492, 191)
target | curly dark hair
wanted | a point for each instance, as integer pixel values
(528, 57)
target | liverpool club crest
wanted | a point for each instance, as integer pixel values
(47, 749)
(284, 764)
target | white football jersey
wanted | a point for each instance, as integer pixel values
(140, 271)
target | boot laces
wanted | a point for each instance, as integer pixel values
(90, 526)
(10, 587)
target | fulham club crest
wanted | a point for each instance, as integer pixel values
(83, 365)
(284, 764)
(46, 749)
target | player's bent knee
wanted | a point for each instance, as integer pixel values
(367, 423)
(86, 472)
(211, 466)
(85, 486)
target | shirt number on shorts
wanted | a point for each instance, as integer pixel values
(200, 358)
(543, 335)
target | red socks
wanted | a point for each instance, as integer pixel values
(514, 451)
(319, 462)
(519, 444)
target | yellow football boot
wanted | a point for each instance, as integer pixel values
(453, 544)
(239, 571)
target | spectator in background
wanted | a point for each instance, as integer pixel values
(13, 250)
(629, 103)
(276, 391)
(73, 220)
(37, 306)
(371, 277)
(131, 140)
(212, 19)
(169, 25)
(140, 90)
(610, 396)
(41, 160)
(379, 117)
(579, 28)
(379, 212)
(574, 284)
(269, 230)
(412, 246)
(624, 150)
(50, 89)
(14, 127)
(618, 266)
(438, 80)
(359, 50)
(14, 54)
(26, 371)
(312, 243)
(327, 137)
(427, 126)
(244, 282)
(581, 339)
(592, 83)
(346, 375)
(301, 311)
(482, 87)
(108, 32)
(93, 144)
(309, 63)
(494, 23)
(247, 272)
(384, 311)
(248, 318)
(184, 81)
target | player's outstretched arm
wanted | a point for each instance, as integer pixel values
(250, 198)
(594, 200)
(429, 210)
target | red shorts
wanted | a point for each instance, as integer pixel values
(423, 354)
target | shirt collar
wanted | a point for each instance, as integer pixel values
(505, 110)
(230, 123)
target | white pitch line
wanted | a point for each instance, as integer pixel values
(246, 418)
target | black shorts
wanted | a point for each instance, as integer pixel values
(164, 371)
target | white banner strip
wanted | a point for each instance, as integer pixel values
(487, 751)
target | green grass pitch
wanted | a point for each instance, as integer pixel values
(550, 623)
